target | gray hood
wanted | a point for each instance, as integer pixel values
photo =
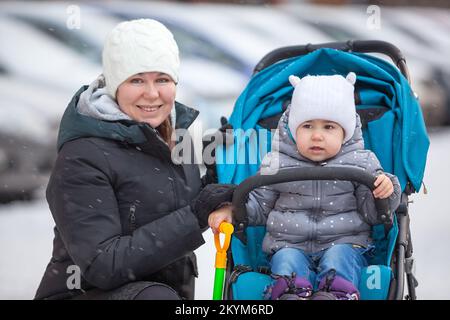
(96, 103)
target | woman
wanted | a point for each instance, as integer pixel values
(127, 217)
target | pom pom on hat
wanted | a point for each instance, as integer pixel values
(323, 97)
(137, 46)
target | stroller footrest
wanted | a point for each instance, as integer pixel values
(243, 291)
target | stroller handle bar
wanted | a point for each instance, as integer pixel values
(363, 46)
(240, 195)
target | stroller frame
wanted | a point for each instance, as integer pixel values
(402, 262)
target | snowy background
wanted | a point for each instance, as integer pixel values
(220, 44)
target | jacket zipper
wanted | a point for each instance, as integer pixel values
(132, 218)
(317, 194)
(313, 218)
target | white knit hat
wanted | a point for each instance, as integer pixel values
(323, 97)
(136, 46)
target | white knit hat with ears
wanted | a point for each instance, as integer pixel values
(323, 97)
(143, 45)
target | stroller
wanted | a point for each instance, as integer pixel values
(393, 128)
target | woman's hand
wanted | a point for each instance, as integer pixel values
(212, 196)
(384, 187)
(223, 214)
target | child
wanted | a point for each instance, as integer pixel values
(317, 232)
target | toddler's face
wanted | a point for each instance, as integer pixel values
(318, 139)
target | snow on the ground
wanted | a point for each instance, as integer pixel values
(430, 222)
(26, 233)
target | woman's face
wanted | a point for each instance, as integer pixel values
(147, 97)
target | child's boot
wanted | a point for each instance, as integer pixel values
(289, 288)
(333, 287)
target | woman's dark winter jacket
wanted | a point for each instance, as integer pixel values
(121, 207)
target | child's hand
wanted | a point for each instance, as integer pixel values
(219, 216)
(384, 187)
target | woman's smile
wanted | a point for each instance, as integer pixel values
(148, 108)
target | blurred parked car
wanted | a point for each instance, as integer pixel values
(21, 163)
(35, 56)
(27, 136)
(274, 26)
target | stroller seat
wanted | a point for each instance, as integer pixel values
(254, 269)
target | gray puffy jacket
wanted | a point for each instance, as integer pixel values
(314, 215)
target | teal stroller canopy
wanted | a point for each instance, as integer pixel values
(398, 137)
